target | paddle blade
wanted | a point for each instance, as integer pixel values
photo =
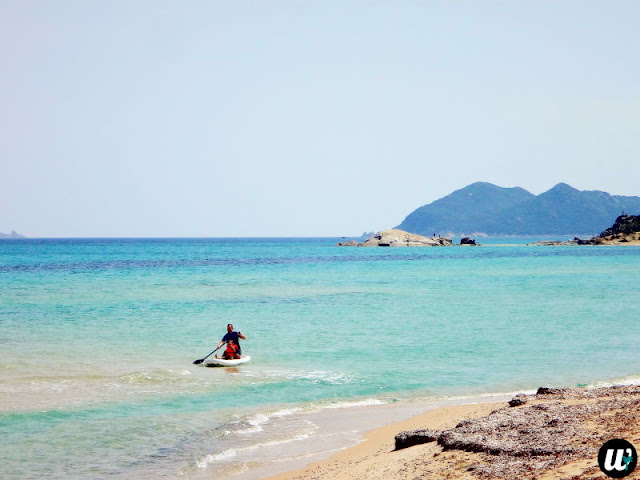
(198, 362)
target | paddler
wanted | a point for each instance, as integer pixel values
(234, 337)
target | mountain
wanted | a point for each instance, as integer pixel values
(483, 207)
(13, 234)
(469, 210)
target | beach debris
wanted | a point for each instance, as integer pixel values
(549, 429)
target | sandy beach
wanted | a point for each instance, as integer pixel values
(553, 434)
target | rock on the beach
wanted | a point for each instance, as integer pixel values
(551, 391)
(518, 400)
(467, 241)
(415, 437)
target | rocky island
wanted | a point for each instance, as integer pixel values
(398, 238)
(624, 231)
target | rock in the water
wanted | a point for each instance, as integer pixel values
(624, 224)
(467, 241)
(350, 243)
(626, 229)
(400, 238)
(579, 241)
(554, 243)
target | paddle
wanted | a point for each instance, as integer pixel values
(198, 362)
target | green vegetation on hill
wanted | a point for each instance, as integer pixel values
(485, 208)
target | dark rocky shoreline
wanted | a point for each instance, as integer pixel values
(626, 229)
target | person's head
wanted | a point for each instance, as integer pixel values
(229, 327)
(230, 342)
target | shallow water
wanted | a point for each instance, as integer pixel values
(97, 340)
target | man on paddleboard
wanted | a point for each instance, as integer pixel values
(233, 336)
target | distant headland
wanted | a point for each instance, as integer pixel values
(624, 231)
(485, 209)
(11, 235)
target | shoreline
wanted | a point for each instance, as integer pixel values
(331, 430)
(377, 444)
(573, 424)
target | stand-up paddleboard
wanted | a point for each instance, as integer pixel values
(221, 362)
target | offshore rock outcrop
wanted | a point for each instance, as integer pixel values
(399, 238)
(625, 230)
(538, 432)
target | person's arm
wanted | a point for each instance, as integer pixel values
(222, 342)
(242, 336)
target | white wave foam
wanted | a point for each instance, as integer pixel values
(233, 452)
(156, 375)
(311, 376)
(285, 412)
(356, 403)
(218, 457)
(256, 423)
(628, 381)
(479, 396)
(260, 419)
(272, 443)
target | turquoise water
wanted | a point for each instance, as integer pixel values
(98, 338)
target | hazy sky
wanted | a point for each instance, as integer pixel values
(304, 118)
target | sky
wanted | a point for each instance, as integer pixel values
(154, 118)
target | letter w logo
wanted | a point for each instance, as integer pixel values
(621, 462)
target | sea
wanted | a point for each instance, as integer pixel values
(98, 339)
